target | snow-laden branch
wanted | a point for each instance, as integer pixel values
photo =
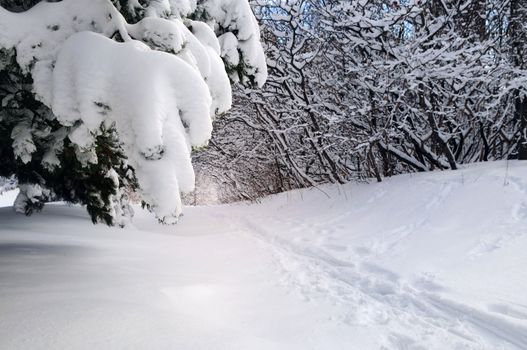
(158, 81)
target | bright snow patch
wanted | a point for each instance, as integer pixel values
(428, 261)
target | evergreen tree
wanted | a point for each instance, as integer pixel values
(61, 143)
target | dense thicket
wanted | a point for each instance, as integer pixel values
(373, 88)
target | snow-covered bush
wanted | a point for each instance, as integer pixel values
(374, 88)
(101, 98)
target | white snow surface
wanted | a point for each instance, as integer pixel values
(427, 261)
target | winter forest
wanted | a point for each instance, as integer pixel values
(362, 162)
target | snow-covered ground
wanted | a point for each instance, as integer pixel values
(427, 261)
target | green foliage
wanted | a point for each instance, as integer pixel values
(18, 5)
(131, 14)
(91, 184)
(69, 179)
(241, 72)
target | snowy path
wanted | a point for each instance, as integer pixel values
(369, 294)
(433, 261)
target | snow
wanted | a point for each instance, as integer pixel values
(424, 261)
(92, 78)
(236, 16)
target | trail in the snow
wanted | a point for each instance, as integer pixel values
(371, 295)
